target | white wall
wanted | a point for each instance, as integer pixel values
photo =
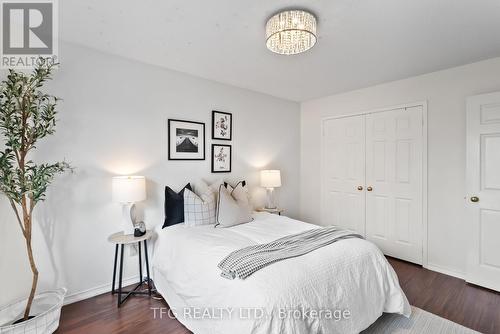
(113, 120)
(445, 92)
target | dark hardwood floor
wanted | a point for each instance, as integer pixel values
(446, 296)
(450, 297)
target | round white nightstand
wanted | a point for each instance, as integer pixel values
(276, 211)
(120, 239)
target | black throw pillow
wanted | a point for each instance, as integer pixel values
(174, 206)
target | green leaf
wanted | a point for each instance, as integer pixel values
(27, 114)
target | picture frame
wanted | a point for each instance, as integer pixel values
(222, 156)
(222, 125)
(186, 140)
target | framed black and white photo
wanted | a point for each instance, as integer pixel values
(221, 158)
(222, 125)
(186, 140)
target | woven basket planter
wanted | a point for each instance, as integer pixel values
(46, 308)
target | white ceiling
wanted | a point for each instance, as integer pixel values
(361, 42)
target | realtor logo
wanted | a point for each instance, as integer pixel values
(29, 31)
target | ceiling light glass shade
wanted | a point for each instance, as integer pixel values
(291, 32)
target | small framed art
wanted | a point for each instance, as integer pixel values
(222, 125)
(186, 140)
(221, 158)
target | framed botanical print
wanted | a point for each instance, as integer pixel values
(186, 140)
(222, 125)
(221, 158)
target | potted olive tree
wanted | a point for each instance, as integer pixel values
(27, 115)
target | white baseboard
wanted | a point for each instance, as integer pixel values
(446, 271)
(77, 296)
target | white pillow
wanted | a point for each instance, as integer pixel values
(232, 210)
(199, 209)
(200, 186)
(240, 192)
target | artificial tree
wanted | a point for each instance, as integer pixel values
(26, 115)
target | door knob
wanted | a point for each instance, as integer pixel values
(474, 199)
(360, 188)
(369, 188)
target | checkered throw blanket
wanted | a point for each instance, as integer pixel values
(246, 261)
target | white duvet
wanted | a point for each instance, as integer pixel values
(340, 288)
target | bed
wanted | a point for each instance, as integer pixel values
(341, 288)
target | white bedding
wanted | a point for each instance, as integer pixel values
(350, 275)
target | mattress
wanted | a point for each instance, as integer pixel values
(341, 288)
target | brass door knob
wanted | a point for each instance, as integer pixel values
(360, 188)
(369, 188)
(474, 199)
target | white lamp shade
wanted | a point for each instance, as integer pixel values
(270, 178)
(129, 189)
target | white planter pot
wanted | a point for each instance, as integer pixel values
(46, 308)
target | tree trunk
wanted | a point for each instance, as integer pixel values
(34, 270)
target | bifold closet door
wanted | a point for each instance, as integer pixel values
(483, 190)
(394, 182)
(343, 198)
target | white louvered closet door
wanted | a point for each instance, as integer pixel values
(394, 182)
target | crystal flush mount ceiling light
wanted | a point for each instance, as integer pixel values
(291, 32)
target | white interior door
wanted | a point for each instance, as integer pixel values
(483, 190)
(343, 204)
(394, 182)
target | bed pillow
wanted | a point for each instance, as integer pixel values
(228, 186)
(240, 192)
(174, 206)
(201, 187)
(230, 210)
(199, 209)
